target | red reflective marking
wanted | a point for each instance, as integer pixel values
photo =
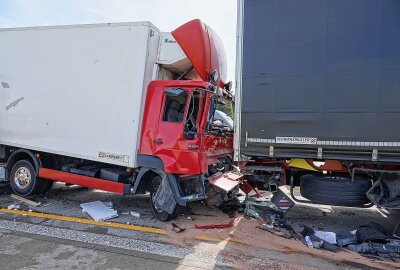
(80, 180)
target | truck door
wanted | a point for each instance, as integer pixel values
(176, 142)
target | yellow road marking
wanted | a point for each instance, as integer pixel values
(112, 225)
(86, 221)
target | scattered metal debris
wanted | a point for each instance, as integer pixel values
(98, 211)
(176, 228)
(25, 200)
(344, 239)
(396, 232)
(215, 226)
(226, 181)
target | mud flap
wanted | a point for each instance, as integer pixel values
(164, 198)
(169, 194)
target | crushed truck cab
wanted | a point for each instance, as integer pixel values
(120, 107)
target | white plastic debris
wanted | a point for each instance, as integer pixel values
(135, 214)
(14, 207)
(98, 211)
(109, 204)
(329, 237)
(25, 200)
(309, 242)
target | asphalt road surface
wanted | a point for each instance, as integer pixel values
(57, 235)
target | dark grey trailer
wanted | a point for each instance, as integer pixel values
(318, 79)
(318, 99)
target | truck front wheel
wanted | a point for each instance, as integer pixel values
(160, 214)
(23, 179)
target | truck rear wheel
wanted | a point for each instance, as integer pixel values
(23, 179)
(335, 190)
(160, 214)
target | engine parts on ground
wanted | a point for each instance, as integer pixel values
(371, 232)
(344, 238)
(386, 191)
(335, 190)
(396, 232)
(389, 250)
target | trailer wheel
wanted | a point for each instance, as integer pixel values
(335, 190)
(159, 213)
(23, 179)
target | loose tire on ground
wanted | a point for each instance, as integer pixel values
(159, 213)
(335, 190)
(23, 179)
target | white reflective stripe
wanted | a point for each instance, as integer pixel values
(335, 143)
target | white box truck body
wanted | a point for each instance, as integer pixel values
(58, 88)
(117, 107)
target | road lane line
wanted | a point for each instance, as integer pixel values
(112, 225)
(86, 221)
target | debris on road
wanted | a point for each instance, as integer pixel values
(390, 250)
(135, 214)
(344, 238)
(215, 226)
(176, 228)
(309, 242)
(329, 237)
(109, 204)
(25, 200)
(396, 232)
(371, 232)
(318, 242)
(262, 210)
(225, 181)
(13, 207)
(99, 211)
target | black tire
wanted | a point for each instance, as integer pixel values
(158, 213)
(30, 186)
(46, 185)
(335, 190)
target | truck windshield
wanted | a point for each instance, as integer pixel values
(220, 114)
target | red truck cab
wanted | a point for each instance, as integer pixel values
(177, 143)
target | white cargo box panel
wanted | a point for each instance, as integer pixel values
(76, 90)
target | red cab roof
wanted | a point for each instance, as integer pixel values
(203, 48)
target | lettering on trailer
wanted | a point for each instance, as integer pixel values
(122, 158)
(296, 140)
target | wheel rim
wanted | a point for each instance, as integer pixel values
(153, 196)
(22, 177)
